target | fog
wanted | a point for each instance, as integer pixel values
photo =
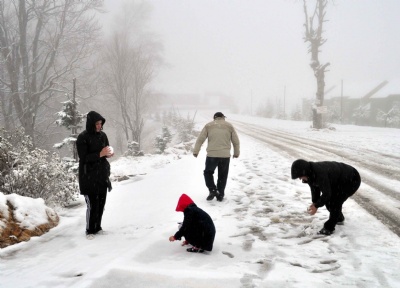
(253, 50)
(246, 57)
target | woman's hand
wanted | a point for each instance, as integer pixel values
(107, 151)
(110, 152)
(104, 152)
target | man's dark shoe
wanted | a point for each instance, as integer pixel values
(220, 197)
(212, 194)
(325, 231)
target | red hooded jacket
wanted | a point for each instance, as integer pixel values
(183, 202)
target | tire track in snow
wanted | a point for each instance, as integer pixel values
(371, 162)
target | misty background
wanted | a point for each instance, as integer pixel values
(244, 48)
(140, 62)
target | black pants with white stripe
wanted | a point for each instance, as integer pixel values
(95, 207)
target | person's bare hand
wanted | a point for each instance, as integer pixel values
(312, 209)
(171, 239)
(104, 152)
(110, 152)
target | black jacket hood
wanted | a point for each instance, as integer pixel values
(91, 119)
(301, 168)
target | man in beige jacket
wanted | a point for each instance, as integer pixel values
(220, 134)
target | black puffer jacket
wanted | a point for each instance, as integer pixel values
(94, 171)
(327, 179)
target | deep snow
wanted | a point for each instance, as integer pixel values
(264, 236)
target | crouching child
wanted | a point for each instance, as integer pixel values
(197, 227)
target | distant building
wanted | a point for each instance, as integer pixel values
(373, 109)
(383, 106)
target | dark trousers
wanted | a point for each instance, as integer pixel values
(335, 204)
(94, 212)
(223, 169)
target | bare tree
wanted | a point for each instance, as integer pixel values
(6, 106)
(131, 59)
(313, 34)
(41, 43)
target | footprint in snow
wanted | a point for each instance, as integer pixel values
(230, 255)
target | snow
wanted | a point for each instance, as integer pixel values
(29, 212)
(3, 209)
(264, 236)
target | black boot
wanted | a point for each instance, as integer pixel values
(220, 197)
(195, 250)
(325, 231)
(212, 194)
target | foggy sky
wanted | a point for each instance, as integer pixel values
(256, 47)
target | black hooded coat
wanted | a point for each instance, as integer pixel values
(197, 227)
(329, 181)
(94, 171)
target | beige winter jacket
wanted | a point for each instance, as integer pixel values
(220, 134)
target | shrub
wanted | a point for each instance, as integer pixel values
(133, 149)
(34, 172)
(162, 141)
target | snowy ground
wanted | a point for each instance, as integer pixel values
(264, 236)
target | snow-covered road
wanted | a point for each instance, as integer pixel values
(380, 169)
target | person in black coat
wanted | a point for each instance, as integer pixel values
(197, 227)
(331, 183)
(94, 170)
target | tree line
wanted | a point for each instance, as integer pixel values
(45, 44)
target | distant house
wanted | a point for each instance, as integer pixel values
(382, 106)
(362, 111)
(373, 109)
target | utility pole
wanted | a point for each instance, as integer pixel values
(284, 102)
(73, 103)
(341, 103)
(74, 128)
(251, 102)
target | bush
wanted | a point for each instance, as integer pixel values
(133, 149)
(184, 127)
(34, 172)
(162, 141)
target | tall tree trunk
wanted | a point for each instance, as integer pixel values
(313, 35)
